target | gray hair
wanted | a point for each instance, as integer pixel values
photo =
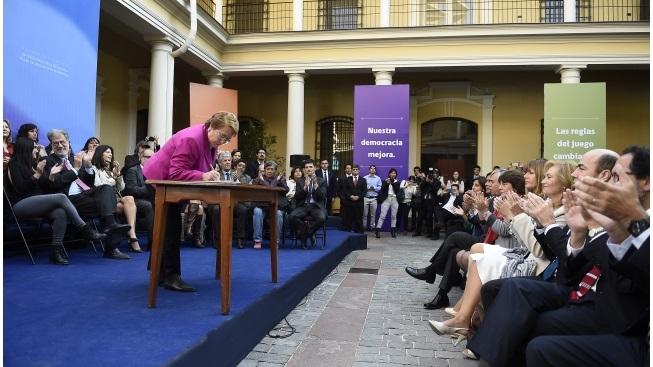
(224, 154)
(54, 132)
(272, 164)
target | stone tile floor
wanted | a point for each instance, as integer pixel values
(360, 319)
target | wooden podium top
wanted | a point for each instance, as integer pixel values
(216, 184)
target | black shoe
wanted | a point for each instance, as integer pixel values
(130, 248)
(57, 257)
(89, 233)
(198, 244)
(421, 274)
(116, 255)
(117, 229)
(241, 243)
(435, 237)
(175, 283)
(416, 234)
(393, 232)
(440, 301)
(376, 233)
(303, 241)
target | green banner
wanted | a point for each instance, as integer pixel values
(574, 119)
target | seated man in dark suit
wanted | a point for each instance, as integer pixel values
(310, 197)
(78, 184)
(143, 194)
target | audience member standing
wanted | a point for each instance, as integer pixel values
(345, 201)
(354, 191)
(187, 156)
(330, 179)
(369, 202)
(254, 166)
(389, 198)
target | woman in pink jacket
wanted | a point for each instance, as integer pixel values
(187, 156)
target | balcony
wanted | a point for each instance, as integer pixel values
(259, 16)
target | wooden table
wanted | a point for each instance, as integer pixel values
(226, 195)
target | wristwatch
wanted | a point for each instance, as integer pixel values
(636, 227)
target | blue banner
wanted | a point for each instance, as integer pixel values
(50, 66)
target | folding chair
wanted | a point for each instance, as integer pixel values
(20, 230)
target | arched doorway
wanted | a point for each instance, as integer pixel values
(449, 144)
(334, 140)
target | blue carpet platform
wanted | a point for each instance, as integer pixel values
(93, 312)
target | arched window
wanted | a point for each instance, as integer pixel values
(334, 140)
(449, 144)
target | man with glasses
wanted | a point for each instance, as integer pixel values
(75, 180)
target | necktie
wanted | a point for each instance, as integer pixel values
(310, 193)
(326, 177)
(78, 181)
(227, 176)
(586, 283)
(355, 180)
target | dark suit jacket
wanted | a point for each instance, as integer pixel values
(622, 293)
(252, 168)
(458, 201)
(332, 187)
(385, 188)
(319, 194)
(135, 184)
(63, 179)
(359, 190)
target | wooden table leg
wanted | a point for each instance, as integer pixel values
(274, 240)
(226, 223)
(160, 211)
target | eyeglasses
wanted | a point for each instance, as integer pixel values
(224, 138)
(62, 143)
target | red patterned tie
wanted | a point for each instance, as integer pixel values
(586, 283)
(82, 185)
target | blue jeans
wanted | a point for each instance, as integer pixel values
(259, 214)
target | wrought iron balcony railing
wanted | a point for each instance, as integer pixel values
(253, 16)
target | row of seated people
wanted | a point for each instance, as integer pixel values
(303, 197)
(556, 265)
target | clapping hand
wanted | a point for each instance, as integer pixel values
(538, 209)
(54, 170)
(480, 202)
(458, 211)
(40, 167)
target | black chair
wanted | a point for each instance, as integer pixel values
(7, 204)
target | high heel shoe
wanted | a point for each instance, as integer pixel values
(131, 248)
(451, 311)
(441, 329)
(457, 338)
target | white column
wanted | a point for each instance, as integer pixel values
(161, 82)
(214, 79)
(570, 74)
(298, 15)
(132, 109)
(99, 91)
(383, 76)
(218, 10)
(295, 132)
(570, 10)
(486, 134)
(385, 13)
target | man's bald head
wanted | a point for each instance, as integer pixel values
(596, 163)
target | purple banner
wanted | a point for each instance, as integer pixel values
(381, 123)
